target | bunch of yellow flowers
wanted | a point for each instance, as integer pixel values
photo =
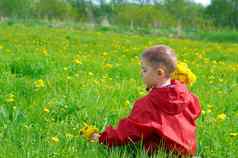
(39, 84)
(184, 74)
(10, 98)
(88, 130)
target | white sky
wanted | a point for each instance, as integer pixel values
(203, 2)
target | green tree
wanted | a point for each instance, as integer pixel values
(19, 8)
(53, 9)
(224, 12)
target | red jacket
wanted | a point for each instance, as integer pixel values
(167, 114)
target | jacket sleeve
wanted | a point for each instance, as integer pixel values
(126, 132)
(129, 129)
(195, 108)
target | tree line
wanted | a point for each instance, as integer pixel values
(134, 13)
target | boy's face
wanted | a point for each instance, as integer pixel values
(151, 76)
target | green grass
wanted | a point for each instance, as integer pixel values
(95, 93)
(219, 36)
(210, 34)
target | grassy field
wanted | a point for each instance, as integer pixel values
(53, 80)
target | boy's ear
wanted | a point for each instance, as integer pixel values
(160, 71)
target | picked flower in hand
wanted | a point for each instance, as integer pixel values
(89, 131)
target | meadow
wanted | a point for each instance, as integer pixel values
(52, 80)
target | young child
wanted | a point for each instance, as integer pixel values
(166, 114)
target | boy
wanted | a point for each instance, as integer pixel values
(166, 114)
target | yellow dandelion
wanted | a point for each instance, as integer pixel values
(46, 110)
(45, 51)
(209, 111)
(104, 53)
(10, 98)
(39, 84)
(210, 106)
(221, 117)
(233, 134)
(127, 102)
(184, 74)
(141, 92)
(77, 61)
(200, 56)
(55, 140)
(88, 130)
(108, 66)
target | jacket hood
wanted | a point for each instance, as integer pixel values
(171, 99)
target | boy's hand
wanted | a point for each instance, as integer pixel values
(95, 137)
(89, 132)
